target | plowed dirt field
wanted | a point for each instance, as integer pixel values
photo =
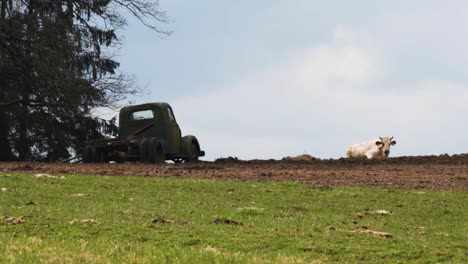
(420, 172)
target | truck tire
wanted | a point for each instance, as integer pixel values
(90, 154)
(157, 153)
(194, 151)
(143, 150)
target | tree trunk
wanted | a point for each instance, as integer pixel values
(3, 6)
(5, 150)
(23, 128)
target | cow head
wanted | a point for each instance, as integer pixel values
(384, 144)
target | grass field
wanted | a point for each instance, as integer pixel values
(95, 219)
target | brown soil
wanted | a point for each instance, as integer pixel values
(421, 172)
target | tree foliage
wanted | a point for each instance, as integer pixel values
(56, 66)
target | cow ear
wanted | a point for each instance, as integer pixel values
(393, 142)
(378, 143)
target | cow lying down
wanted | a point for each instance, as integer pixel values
(378, 148)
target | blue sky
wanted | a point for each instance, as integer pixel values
(268, 79)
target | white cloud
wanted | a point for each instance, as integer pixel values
(395, 68)
(319, 101)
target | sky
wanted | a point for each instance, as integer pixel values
(274, 78)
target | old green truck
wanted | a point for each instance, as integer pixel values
(147, 133)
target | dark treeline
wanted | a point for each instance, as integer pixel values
(55, 67)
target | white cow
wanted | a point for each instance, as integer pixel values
(378, 148)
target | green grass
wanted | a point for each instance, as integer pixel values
(278, 222)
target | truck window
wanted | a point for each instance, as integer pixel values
(141, 115)
(171, 115)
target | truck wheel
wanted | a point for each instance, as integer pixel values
(90, 154)
(86, 154)
(143, 150)
(194, 151)
(157, 154)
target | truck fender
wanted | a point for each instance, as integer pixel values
(186, 144)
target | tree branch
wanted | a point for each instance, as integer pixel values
(17, 101)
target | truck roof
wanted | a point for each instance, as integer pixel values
(132, 108)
